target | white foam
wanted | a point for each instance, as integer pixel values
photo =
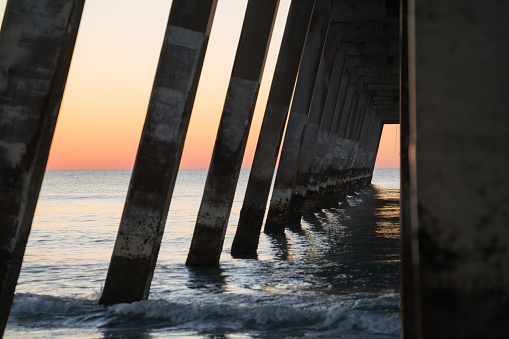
(291, 314)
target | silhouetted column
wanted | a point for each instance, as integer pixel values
(328, 127)
(372, 146)
(276, 217)
(155, 170)
(458, 156)
(328, 180)
(375, 143)
(362, 154)
(36, 46)
(264, 162)
(231, 138)
(360, 128)
(349, 143)
(365, 171)
(356, 128)
(342, 153)
(312, 127)
(408, 297)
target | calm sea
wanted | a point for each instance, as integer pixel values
(335, 277)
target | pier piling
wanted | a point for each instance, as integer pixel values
(155, 171)
(214, 212)
(281, 194)
(271, 132)
(36, 46)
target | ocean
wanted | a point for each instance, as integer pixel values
(336, 276)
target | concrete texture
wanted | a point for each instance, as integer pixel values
(327, 135)
(276, 217)
(408, 297)
(312, 128)
(212, 221)
(264, 162)
(36, 45)
(458, 73)
(153, 178)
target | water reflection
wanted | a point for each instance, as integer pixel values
(208, 279)
(351, 248)
(280, 245)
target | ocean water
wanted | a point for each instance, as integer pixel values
(337, 276)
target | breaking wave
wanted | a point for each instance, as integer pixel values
(284, 315)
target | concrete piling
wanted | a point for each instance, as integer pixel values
(271, 132)
(36, 46)
(276, 216)
(409, 299)
(312, 127)
(210, 229)
(448, 84)
(459, 191)
(329, 177)
(153, 178)
(348, 149)
(327, 135)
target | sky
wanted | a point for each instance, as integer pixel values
(111, 75)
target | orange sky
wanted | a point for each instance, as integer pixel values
(111, 76)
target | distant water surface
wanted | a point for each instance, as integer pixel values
(335, 277)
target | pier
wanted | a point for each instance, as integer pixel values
(345, 69)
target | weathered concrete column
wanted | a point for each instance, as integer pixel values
(231, 138)
(350, 145)
(36, 46)
(372, 147)
(356, 130)
(312, 128)
(327, 135)
(408, 297)
(155, 170)
(359, 169)
(271, 132)
(360, 173)
(458, 154)
(276, 217)
(345, 95)
(342, 152)
(365, 170)
(377, 136)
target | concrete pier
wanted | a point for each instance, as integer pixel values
(408, 297)
(366, 44)
(153, 179)
(371, 89)
(224, 169)
(458, 160)
(36, 46)
(312, 127)
(327, 135)
(277, 214)
(332, 165)
(442, 64)
(271, 132)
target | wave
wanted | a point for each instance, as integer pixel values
(327, 316)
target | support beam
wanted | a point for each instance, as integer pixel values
(458, 166)
(36, 46)
(264, 162)
(327, 135)
(210, 229)
(276, 217)
(408, 298)
(335, 145)
(155, 171)
(313, 123)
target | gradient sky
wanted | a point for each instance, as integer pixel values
(111, 77)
